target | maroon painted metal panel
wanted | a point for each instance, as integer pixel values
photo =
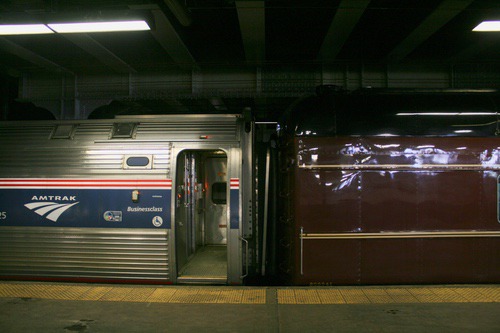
(379, 185)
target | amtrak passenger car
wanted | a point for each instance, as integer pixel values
(140, 199)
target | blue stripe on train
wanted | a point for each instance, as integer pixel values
(85, 208)
(234, 218)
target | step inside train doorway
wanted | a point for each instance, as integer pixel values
(201, 216)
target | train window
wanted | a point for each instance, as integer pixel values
(63, 132)
(123, 131)
(138, 162)
(219, 192)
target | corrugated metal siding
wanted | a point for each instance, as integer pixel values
(192, 131)
(89, 132)
(27, 149)
(20, 134)
(139, 254)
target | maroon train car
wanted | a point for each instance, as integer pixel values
(390, 187)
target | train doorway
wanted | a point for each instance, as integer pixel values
(201, 216)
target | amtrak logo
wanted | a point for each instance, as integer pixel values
(50, 210)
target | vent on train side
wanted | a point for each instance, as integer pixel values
(63, 132)
(124, 131)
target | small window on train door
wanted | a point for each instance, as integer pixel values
(219, 193)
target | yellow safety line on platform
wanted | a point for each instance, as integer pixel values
(388, 295)
(206, 295)
(250, 295)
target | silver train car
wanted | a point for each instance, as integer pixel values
(163, 199)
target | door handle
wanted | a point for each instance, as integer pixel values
(246, 257)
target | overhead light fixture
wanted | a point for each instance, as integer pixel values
(24, 29)
(73, 27)
(488, 26)
(111, 26)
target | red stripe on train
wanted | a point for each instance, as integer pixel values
(27, 182)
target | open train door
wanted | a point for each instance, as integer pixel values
(204, 209)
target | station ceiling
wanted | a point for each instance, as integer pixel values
(214, 34)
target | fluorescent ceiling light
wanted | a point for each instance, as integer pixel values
(111, 26)
(386, 134)
(24, 29)
(488, 26)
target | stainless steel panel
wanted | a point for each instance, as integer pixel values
(139, 254)
(200, 127)
(27, 149)
(182, 240)
(216, 214)
(180, 131)
(235, 244)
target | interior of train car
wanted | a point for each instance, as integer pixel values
(201, 216)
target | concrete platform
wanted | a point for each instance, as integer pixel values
(65, 307)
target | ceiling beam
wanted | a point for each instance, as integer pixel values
(180, 12)
(10, 71)
(446, 11)
(23, 53)
(169, 39)
(252, 18)
(347, 16)
(96, 49)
